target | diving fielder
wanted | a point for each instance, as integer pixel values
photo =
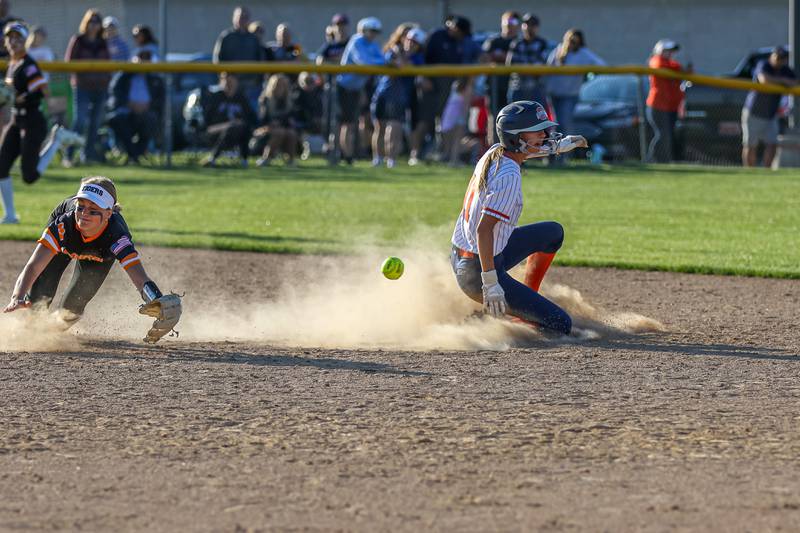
(89, 229)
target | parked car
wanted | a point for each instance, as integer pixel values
(607, 114)
(709, 127)
(184, 83)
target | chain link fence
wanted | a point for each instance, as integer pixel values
(445, 115)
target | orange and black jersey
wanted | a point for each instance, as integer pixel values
(63, 237)
(25, 76)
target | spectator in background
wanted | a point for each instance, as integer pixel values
(663, 100)
(135, 105)
(336, 37)
(454, 120)
(276, 121)
(37, 47)
(229, 119)
(496, 50)
(564, 89)
(5, 18)
(308, 106)
(361, 49)
(283, 49)
(143, 40)
(238, 44)
(392, 96)
(446, 45)
(89, 88)
(257, 29)
(760, 112)
(118, 48)
(528, 49)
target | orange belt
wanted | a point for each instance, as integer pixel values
(465, 254)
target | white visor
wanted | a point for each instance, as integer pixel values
(97, 194)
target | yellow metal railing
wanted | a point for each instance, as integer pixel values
(427, 70)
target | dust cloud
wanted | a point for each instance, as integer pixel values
(347, 303)
(328, 302)
(35, 330)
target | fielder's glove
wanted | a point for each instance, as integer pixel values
(166, 310)
(494, 298)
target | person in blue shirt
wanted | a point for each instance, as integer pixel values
(361, 49)
(118, 48)
(393, 94)
(564, 89)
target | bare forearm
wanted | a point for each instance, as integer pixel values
(138, 276)
(24, 283)
(486, 243)
(33, 269)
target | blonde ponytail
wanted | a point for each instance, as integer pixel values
(481, 173)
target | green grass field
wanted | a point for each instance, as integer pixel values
(691, 219)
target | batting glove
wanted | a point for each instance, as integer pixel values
(494, 299)
(570, 142)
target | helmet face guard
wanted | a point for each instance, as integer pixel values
(548, 147)
(519, 117)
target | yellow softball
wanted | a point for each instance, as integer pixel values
(392, 267)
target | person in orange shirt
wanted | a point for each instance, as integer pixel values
(663, 101)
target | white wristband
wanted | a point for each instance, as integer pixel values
(489, 278)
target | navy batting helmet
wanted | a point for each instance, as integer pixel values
(518, 117)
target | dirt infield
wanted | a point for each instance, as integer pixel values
(243, 423)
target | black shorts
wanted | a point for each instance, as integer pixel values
(432, 102)
(349, 103)
(384, 107)
(23, 136)
(86, 281)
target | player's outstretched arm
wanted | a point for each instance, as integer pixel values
(138, 276)
(38, 261)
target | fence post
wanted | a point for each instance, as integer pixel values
(168, 119)
(168, 81)
(794, 53)
(642, 127)
(332, 127)
(493, 109)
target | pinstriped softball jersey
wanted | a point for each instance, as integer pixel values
(501, 199)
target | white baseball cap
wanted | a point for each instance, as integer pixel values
(665, 45)
(110, 21)
(417, 35)
(369, 24)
